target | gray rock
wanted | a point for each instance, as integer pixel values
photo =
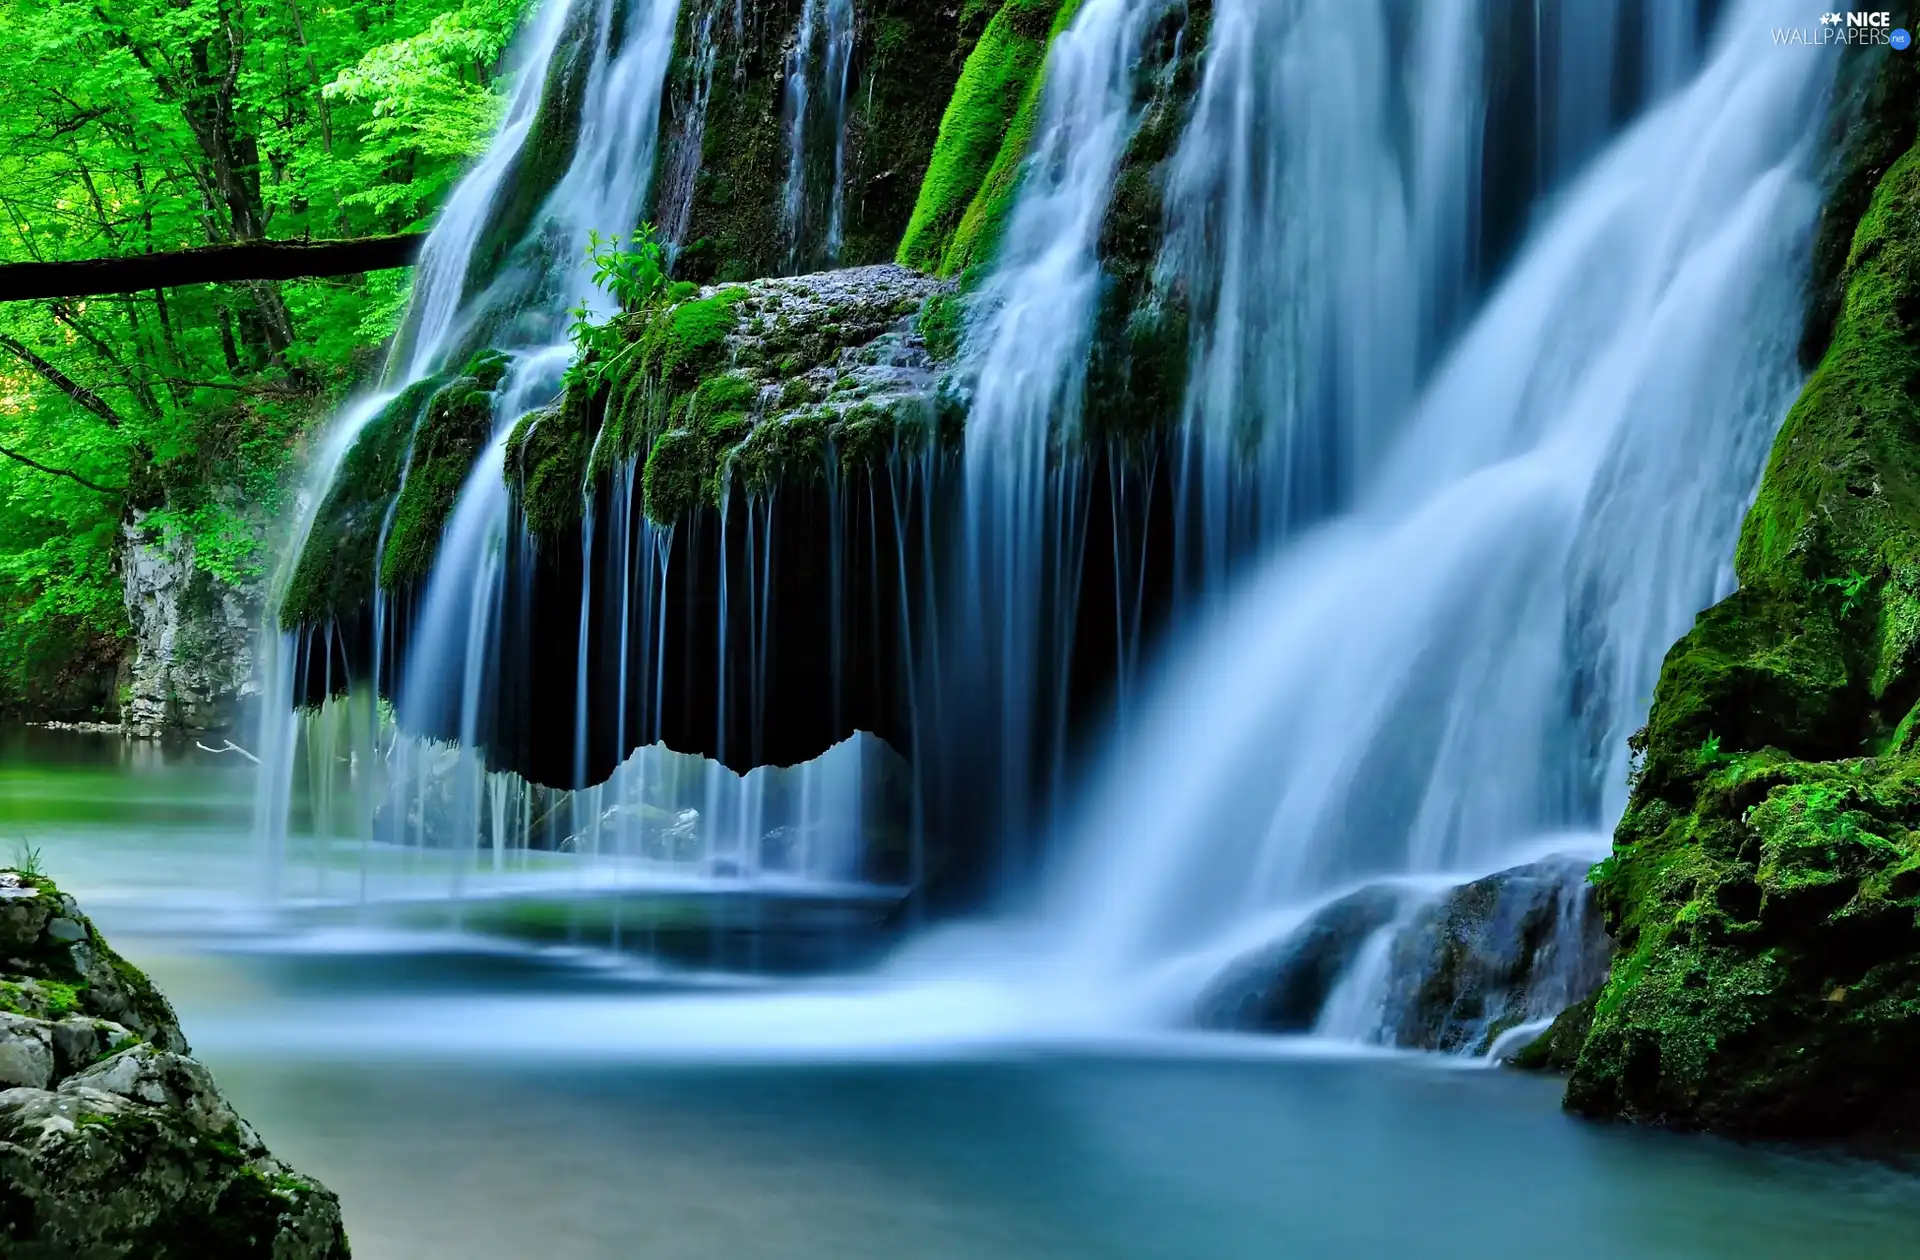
(190, 658)
(85, 1172)
(26, 1051)
(80, 1042)
(115, 1148)
(1283, 987)
(1512, 948)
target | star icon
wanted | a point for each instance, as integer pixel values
(1830, 19)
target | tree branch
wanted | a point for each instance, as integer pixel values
(60, 380)
(68, 473)
(212, 264)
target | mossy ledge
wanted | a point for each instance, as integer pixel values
(114, 1143)
(1764, 888)
(747, 386)
(396, 486)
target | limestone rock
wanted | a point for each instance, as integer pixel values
(190, 662)
(113, 1143)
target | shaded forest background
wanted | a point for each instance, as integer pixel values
(139, 126)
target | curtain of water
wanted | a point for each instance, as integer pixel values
(1449, 669)
(1005, 648)
(604, 188)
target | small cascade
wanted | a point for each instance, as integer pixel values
(819, 64)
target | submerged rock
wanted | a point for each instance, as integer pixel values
(114, 1143)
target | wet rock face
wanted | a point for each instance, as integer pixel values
(113, 1143)
(1515, 947)
(1282, 988)
(1463, 967)
(190, 663)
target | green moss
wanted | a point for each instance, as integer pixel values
(983, 137)
(678, 475)
(455, 429)
(942, 324)
(1764, 889)
(1558, 1048)
(1876, 123)
(337, 568)
(1138, 367)
(546, 464)
(41, 998)
(543, 157)
(690, 340)
(779, 450)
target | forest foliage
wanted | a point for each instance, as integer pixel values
(133, 126)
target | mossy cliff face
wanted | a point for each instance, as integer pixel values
(726, 147)
(544, 155)
(396, 486)
(113, 1143)
(748, 387)
(1764, 890)
(984, 135)
(1137, 371)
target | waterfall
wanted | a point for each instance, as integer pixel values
(1442, 677)
(1007, 642)
(1456, 482)
(823, 41)
(603, 187)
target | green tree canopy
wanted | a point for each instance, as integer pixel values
(140, 126)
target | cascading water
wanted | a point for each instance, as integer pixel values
(661, 821)
(1005, 647)
(1443, 678)
(1446, 543)
(822, 45)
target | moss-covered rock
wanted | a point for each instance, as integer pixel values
(1138, 365)
(113, 1143)
(340, 562)
(543, 156)
(1764, 890)
(382, 518)
(750, 386)
(450, 437)
(984, 136)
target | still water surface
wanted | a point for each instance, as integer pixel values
(478, 1100)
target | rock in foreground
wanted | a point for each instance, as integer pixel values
(113, 1143)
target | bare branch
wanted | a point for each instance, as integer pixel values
(68, 473)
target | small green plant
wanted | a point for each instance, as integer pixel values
(26, 859)
(1708, 755)
(1852, 588)
(632, 277)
